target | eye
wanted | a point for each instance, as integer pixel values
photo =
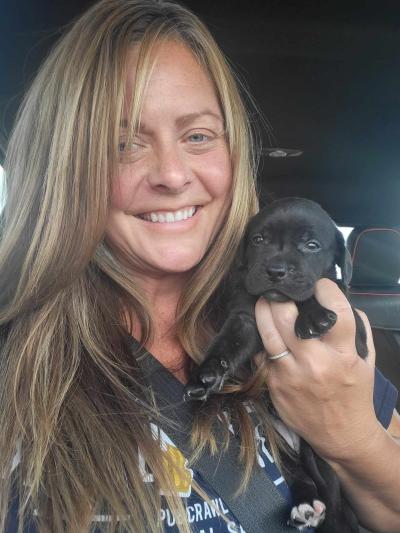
(312, 246)
(130, 152)
(200, 140)
(257, 238)
(198, 137)
(123, 147)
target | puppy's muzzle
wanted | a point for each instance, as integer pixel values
(278, 272)
(279, 281)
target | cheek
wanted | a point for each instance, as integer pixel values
(217, 172)
(123, 190)
(311, 268)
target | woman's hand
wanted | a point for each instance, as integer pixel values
(322, 389)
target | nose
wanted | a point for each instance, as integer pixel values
(170, 173)
(277, 272)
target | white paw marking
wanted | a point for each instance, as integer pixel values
(305, 515)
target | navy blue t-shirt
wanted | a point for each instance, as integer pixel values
(204, 517)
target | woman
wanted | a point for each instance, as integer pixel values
(130, 179)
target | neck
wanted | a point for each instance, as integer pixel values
(163, 295)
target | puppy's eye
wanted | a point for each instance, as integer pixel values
(257, 239)
(312, 246)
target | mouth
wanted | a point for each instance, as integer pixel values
(273, 295)
(296, 295)
(275, 292)
(169, 217)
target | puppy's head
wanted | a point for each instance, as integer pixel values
(288, 246)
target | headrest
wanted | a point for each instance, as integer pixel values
(376, 256)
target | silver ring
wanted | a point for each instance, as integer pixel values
(279, 355)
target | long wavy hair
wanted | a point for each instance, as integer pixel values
(75, 408)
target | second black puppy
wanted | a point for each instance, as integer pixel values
(287, 248)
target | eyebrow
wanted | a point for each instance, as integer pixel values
(183, 120)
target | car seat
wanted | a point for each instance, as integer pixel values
(375, 289)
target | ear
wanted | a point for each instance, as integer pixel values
(343, 259)
(240, 259)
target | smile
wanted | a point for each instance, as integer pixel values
(169, 216)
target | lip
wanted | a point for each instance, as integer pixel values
(284, 294)
(274, 295)
(279, 292)
(170, 226)
(164, 210)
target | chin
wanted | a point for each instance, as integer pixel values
(274, 295)
(177, 265)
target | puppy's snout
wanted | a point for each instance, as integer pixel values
(277, 272)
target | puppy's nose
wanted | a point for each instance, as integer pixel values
(276, 273)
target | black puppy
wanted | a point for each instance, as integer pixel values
(287, 247)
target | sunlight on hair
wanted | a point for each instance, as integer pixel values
(2, 188)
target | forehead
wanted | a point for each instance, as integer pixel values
(295, 221)
(169, 73)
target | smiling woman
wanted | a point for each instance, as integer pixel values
(131, 173)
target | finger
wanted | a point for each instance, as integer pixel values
(370, 341)
(284, 316)
(342, 335)
(272, 340)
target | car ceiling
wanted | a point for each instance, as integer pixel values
(325, 76)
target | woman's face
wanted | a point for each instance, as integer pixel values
(173, 186)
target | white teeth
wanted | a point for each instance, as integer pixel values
(170, 216)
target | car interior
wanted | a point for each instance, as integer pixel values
(325, 81)
(325, 77)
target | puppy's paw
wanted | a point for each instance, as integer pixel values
(306, 515)
(210, 378)
(313, 324)
(194, 391)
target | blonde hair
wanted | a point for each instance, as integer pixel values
(73, 397)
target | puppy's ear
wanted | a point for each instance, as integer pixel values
(240, 260)
(343, 259)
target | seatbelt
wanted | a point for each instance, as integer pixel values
(261, 508)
